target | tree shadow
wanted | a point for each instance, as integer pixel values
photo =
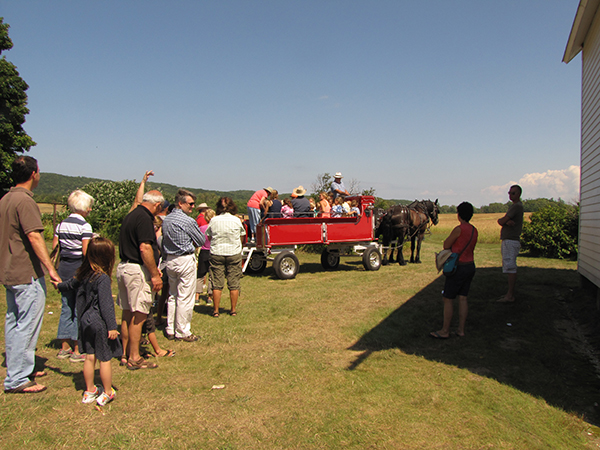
(529, 344)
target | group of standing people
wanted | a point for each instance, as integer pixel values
(462, 241)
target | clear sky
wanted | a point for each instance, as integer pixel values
(453, 100)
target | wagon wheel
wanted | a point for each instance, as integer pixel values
(257, 263)
(371, 259)
(330, 260)
(286, 265)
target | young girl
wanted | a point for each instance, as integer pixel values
(96, 316)
(287, 210)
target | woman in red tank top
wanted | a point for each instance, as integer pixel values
(462, 239)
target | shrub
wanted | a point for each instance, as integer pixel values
(552, 232)
(113, 200)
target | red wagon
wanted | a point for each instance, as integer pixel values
(276, 240)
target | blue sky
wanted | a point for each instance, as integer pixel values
(453, 100)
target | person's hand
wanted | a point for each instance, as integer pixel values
(510, 223)
(157, 283)
(54, 283)
(113, 334)
(54, 276)
(148, 173)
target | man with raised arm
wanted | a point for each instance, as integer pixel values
(138, 274)
(23, 252)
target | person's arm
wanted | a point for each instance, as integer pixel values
(54, 242)
(84, 246)
(148, 257)
(107, 306)
(450, 240)
(197, 236)
(139, 195)
(506, 221)
(39, 247)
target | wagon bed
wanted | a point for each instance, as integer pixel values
(279, 237)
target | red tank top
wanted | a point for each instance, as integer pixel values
(465, 234)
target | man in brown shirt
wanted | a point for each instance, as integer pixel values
(23, 252)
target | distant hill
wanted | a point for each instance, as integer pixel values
(53, 187)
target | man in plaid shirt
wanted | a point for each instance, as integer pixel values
(181, 237)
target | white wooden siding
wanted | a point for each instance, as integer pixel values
(589, 222)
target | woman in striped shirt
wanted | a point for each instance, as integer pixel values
(73, 236)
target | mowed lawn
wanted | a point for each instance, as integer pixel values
(343, 359)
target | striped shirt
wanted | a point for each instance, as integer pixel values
(225, 232)
(71, 233)
(181, 234)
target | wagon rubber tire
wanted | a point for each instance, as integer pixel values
(257, 264)
(286, 265)
(330, 260)
(371, 259)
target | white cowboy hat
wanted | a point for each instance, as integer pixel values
(441, 257)
(338, 175)
(300, 191)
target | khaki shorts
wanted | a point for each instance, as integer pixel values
(510, 251)
(135, 290)
(229, 267)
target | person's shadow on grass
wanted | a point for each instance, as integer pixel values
(528, 344)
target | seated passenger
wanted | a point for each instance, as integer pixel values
(313, 206)
(354, 211)
(337, 210)
(301, 204)
(275, 208)
(287, 210)
(324, 206)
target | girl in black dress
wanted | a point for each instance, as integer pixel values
(96, 316)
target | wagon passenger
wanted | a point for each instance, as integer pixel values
(225, 232)
(354, 211)
(324, 206)
(300, 203)
(337, 210)
(337, 186)
(462, 240)
(275, 208)
(287, 210)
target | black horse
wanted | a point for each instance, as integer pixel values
(393, 228)
(401, 223)
(421, 214)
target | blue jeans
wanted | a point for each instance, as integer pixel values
(67, 325)
(24, 313)
(253, 218)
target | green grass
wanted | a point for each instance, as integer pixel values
(341, 359)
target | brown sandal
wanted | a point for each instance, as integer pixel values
(26, 388)
(141, 364)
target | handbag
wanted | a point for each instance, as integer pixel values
(451, 264)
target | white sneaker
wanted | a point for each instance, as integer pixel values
(106, 398)
(91, 396)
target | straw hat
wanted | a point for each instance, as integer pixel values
(441, 257)
(202, 206)
(300, 191)
(338, 175)
(269, 189)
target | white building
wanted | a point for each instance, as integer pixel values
(585, 38)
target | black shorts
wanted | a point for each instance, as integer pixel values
(460, 283)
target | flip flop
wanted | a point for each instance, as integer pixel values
(169, 354)
(232, 313)
(215, 314)
(23, 389)
(141, 364)
(436, 335)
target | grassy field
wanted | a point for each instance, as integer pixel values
(342, 359)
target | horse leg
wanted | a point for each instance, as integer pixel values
(392, 248)
(412, 250)
(400, 257)
(384, 259)
(418, 257)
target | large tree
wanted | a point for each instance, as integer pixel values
(13, 109)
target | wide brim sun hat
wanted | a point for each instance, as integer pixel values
(441, 257)
(300, 191)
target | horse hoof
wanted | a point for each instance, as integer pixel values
(384, 263)
(403, 263)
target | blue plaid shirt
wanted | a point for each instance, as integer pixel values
(181, 234)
